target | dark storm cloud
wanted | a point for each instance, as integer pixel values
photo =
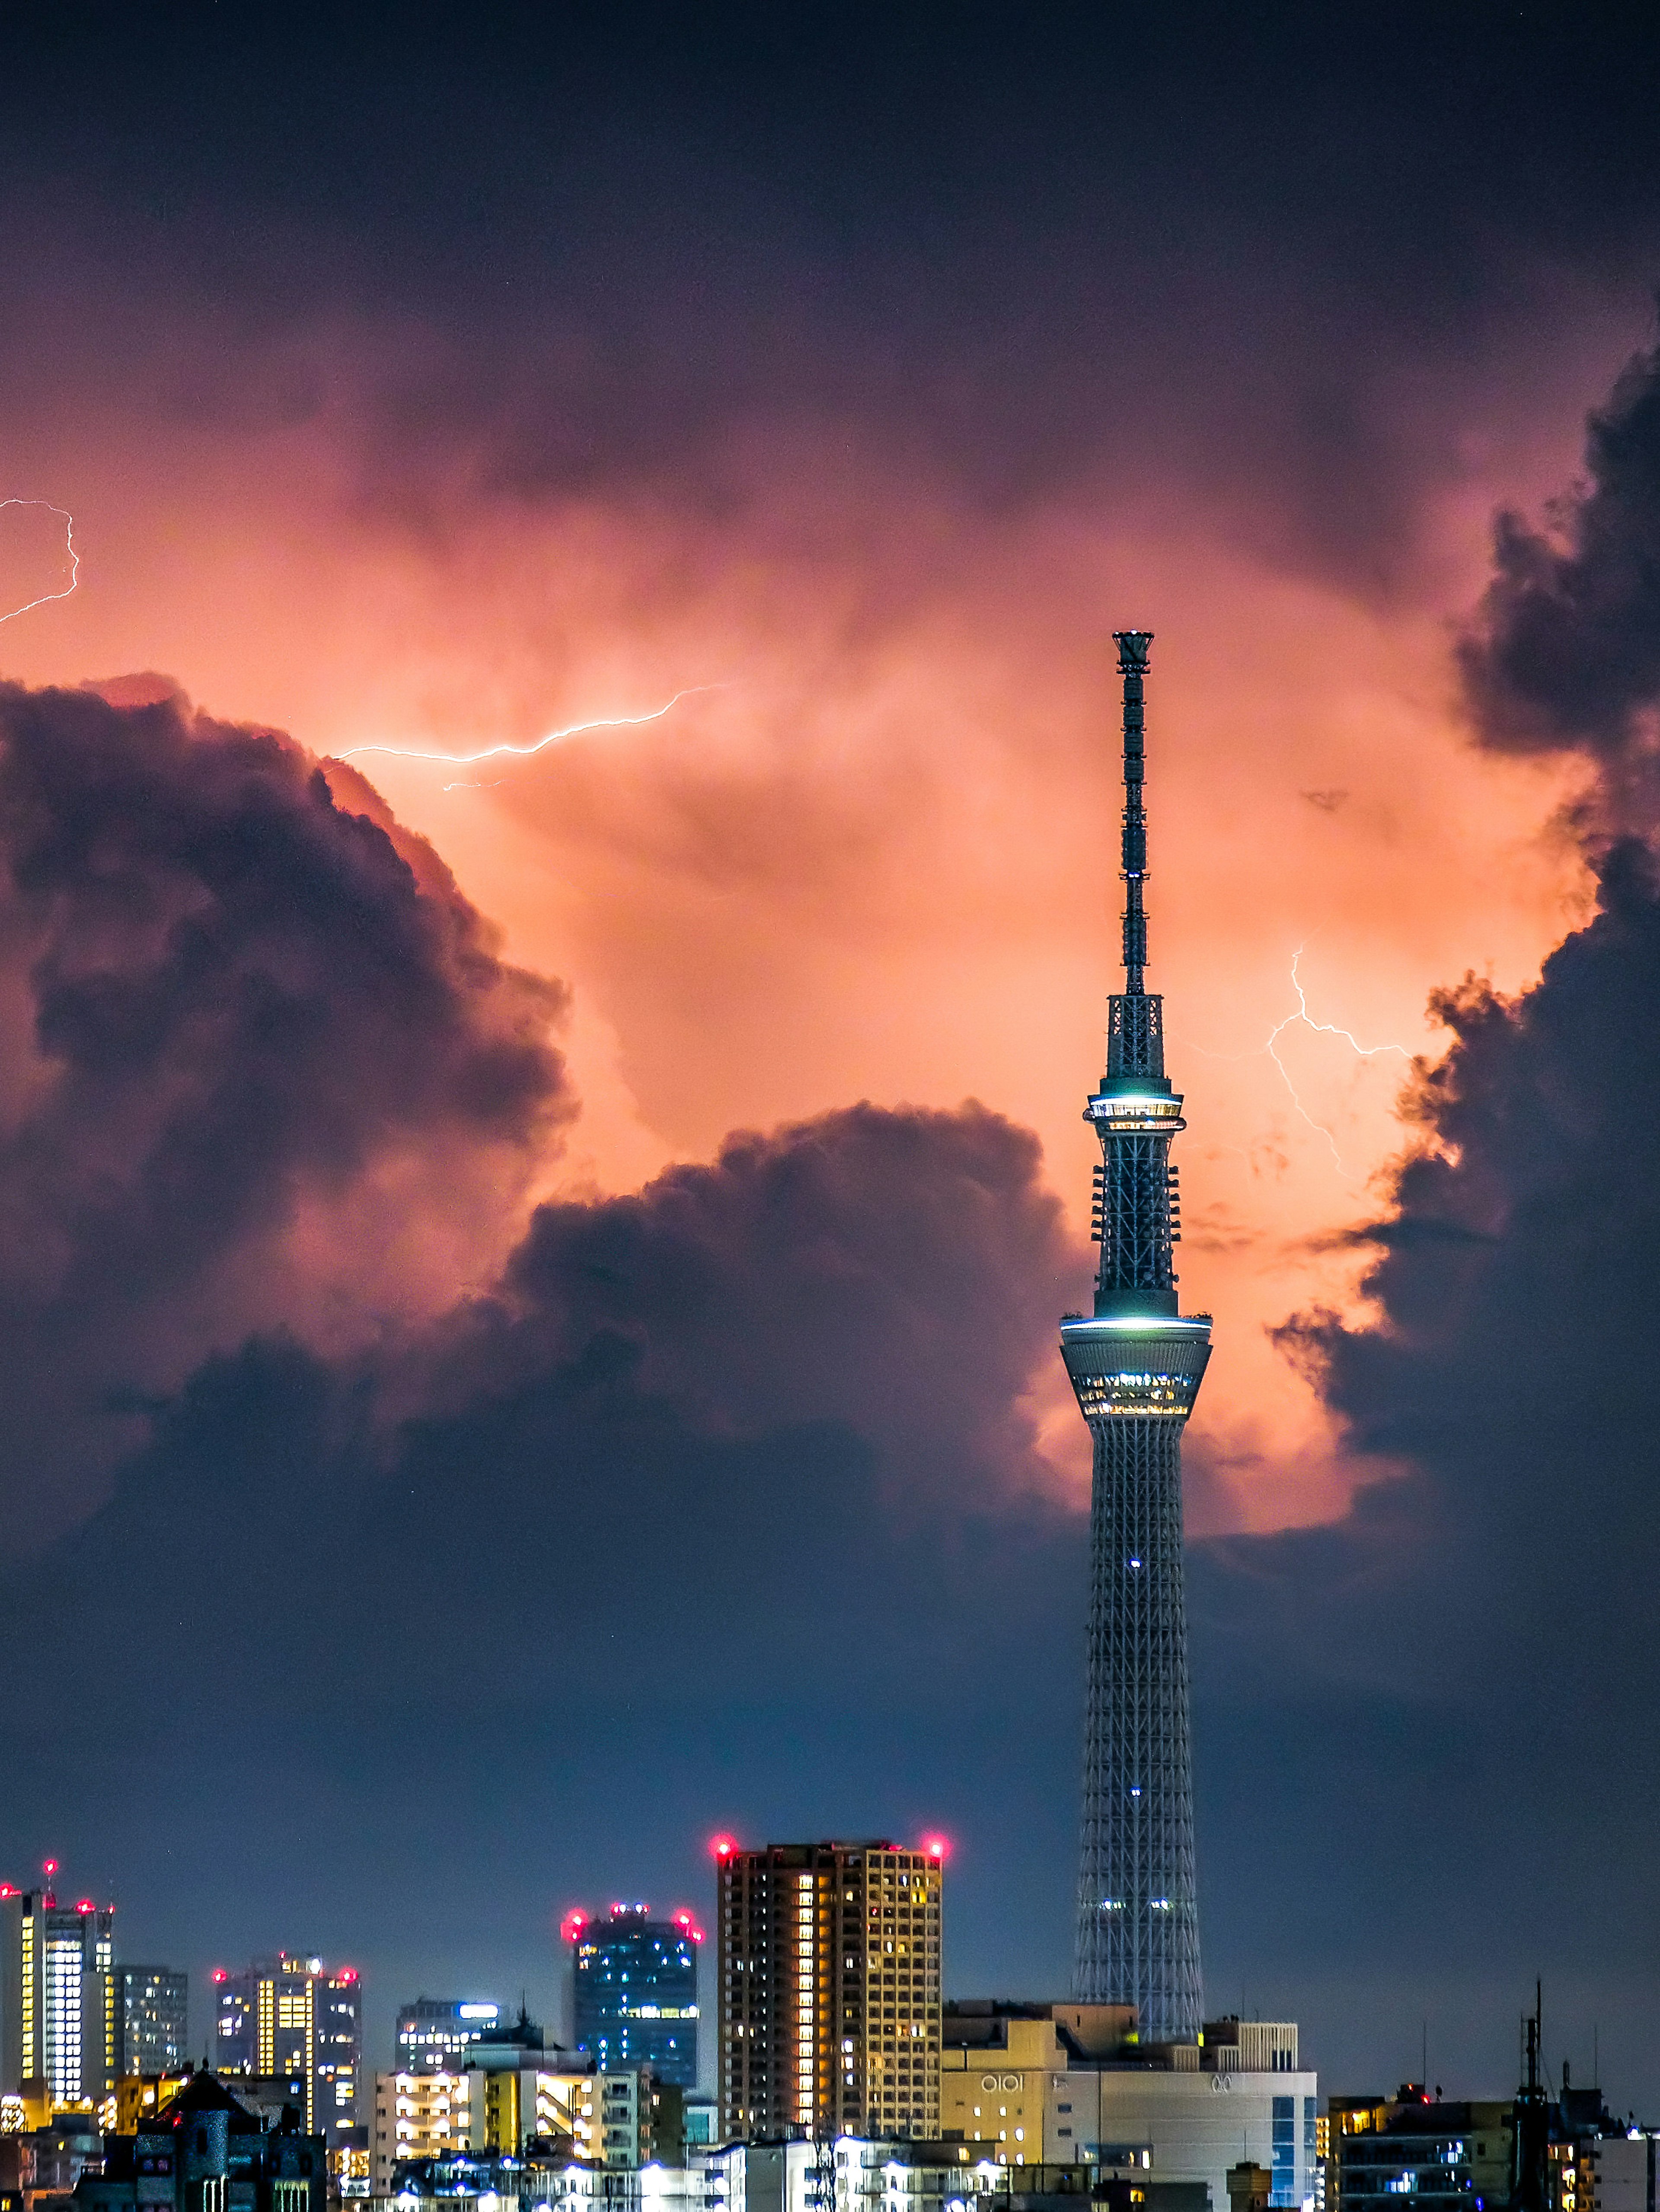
(1565, 652)
(1277, 258)
(222, 996)
(676, 1530)
(1420, 1680)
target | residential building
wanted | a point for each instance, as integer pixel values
(830, 1976)
(417, 2115)
(434, 2033)
(522, 2099)
(555, 2180)
(292, 2014)
(1068, 2084)
(634, 1991)
(521, 2091)
(152, 2019)
(41, 2166)
(57, 1996)
(1619, 2173)
(1450, 2156)
(640, 2120)
(204, 2151)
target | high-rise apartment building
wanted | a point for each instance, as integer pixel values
(1136, 1364)
(635, 1991)
(434, 2033)
(829, 1989)
(57, 2034)
(293, 2015)
(152, 2020)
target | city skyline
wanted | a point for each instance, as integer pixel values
(559, 759)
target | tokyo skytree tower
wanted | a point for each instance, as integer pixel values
(1136, 1364)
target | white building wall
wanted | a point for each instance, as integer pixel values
(1196, 2126)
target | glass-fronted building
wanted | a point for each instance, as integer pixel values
(152, 2019)
(634, 1982)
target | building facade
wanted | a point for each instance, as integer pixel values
(420, 2115)
(204, 2151)
(1135, 1365)
(829, 1979)
(634, 1983)
(293, 2015)
(57, 2016)
(1440, 2153)
(152, 2019)
(1059, 2085)
(435, 2033)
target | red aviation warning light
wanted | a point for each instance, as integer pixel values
(219, 1975)
(723, 1847)
(49, 1867)
(85, 1905)
(937, 1849)
(688, 1926)
(571, 1926)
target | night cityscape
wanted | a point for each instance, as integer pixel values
(829, 914)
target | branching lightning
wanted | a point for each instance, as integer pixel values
(525, 752)
(1300, 1014)
(46, 598)
(1321, 1029)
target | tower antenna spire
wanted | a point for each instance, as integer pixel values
(1135, 1365)
(1133, 646)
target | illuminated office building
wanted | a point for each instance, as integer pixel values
(634, 1985)
(1136, 1364)
(293, 2015)
(434, 2033)
(829, 1989)
(152, 2020)
(58, 2017)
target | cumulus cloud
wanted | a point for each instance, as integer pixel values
(1564, 652)
(709, 1488)
(238, 1032)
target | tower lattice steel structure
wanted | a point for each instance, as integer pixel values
(1136, 1364)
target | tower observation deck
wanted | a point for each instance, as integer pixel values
(1136, 1364)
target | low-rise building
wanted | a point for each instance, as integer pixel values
(204, 2151)
(1058, 2085)
(1451, 2156)
(417, 2116)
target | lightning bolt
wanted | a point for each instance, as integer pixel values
(69, 541)
(1321, 1029)
(553, 736)
(1300, 1013)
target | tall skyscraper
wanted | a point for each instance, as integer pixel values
(434, 2033)
(57, 1993)
(293, 2015)
(1136, 1364)
(152, 2019)
(829, 1989)
(634, 1983)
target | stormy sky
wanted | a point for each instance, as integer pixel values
(529, 1278)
